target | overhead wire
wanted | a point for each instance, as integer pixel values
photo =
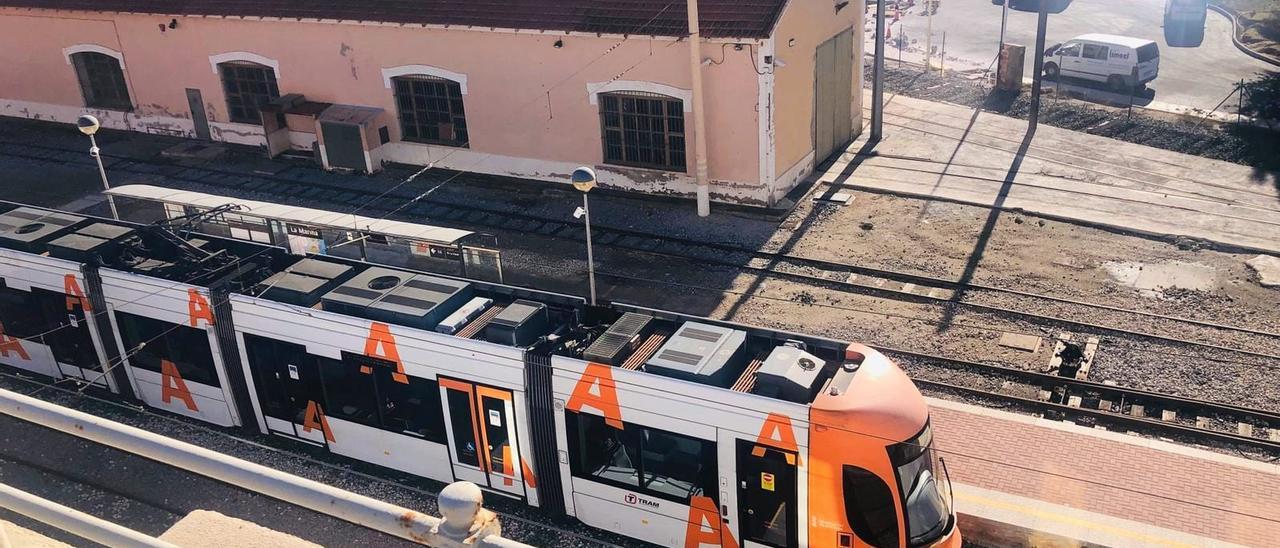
(187, 422)
(138, 348)
(359, 207)
(940, 449)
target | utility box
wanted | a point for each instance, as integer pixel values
(351, 137)
(1009, 74)
(274, 127)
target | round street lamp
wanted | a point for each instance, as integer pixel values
(584, 179)
(89, 125)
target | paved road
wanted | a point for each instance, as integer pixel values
(1197, 77)
(145, 495)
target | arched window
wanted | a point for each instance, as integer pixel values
(430, 110)
(247, 86)
(642, 129)
(101, 81)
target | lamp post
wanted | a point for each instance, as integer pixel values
(584, 179)
(89, 125)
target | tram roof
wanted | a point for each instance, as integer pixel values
(299, 215)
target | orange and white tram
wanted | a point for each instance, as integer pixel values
(673, 429)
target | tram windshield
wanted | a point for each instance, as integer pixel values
(925, 487)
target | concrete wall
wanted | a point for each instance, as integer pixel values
(809, 23)
(528, 107)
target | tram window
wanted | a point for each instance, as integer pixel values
(663, 464)
(602, 452)
(464, 429)
(67, 333)
(868, 504)
(676, 464)
(18, 315)
(349, 394)
(147, 341)
(927, 511)
(412, 408)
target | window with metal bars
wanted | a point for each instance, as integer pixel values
(247, 86)
(642, 130)
(101, 81)
(431, 110)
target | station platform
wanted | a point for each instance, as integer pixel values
(1026, 481)
(941, 151)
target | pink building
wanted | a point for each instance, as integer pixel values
(521, 88)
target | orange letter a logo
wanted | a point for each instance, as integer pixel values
(198, 307)
(381, 344)
(74, 294)
(172, 386)
(314, 418)
(705, 526)
(605, 400)
(12, 344)
(777, 432)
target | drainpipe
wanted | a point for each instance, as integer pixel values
(699, 121)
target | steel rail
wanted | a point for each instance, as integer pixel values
(497, 218)
(1107, 416)
(1088, 385)
(1120, 395)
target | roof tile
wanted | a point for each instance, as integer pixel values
(718, 18)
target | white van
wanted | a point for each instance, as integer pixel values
(1120, 61)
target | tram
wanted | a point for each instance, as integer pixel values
(669, 428)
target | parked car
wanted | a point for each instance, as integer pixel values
(1121, 62)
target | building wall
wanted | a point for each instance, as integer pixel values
(528, 110)
(809, 23)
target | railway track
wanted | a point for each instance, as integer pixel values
(1106, 404)
(1068, 314)
(845, 276)
(519, 522)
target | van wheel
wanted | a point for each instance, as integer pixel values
(1116, 83)
(1051, 71)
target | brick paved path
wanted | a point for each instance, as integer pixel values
(1178, 488)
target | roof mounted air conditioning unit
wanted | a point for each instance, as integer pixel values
(700, 352)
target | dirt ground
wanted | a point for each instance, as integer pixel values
(1033, 254)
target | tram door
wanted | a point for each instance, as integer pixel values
(287, 381)
(767, 496)
(482, 435)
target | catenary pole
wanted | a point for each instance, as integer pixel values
(877, 77)
(1042, 25)
(699, 120)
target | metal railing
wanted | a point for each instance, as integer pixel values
(465, 521)
(73, 521)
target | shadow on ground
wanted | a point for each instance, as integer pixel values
(1241, 144)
